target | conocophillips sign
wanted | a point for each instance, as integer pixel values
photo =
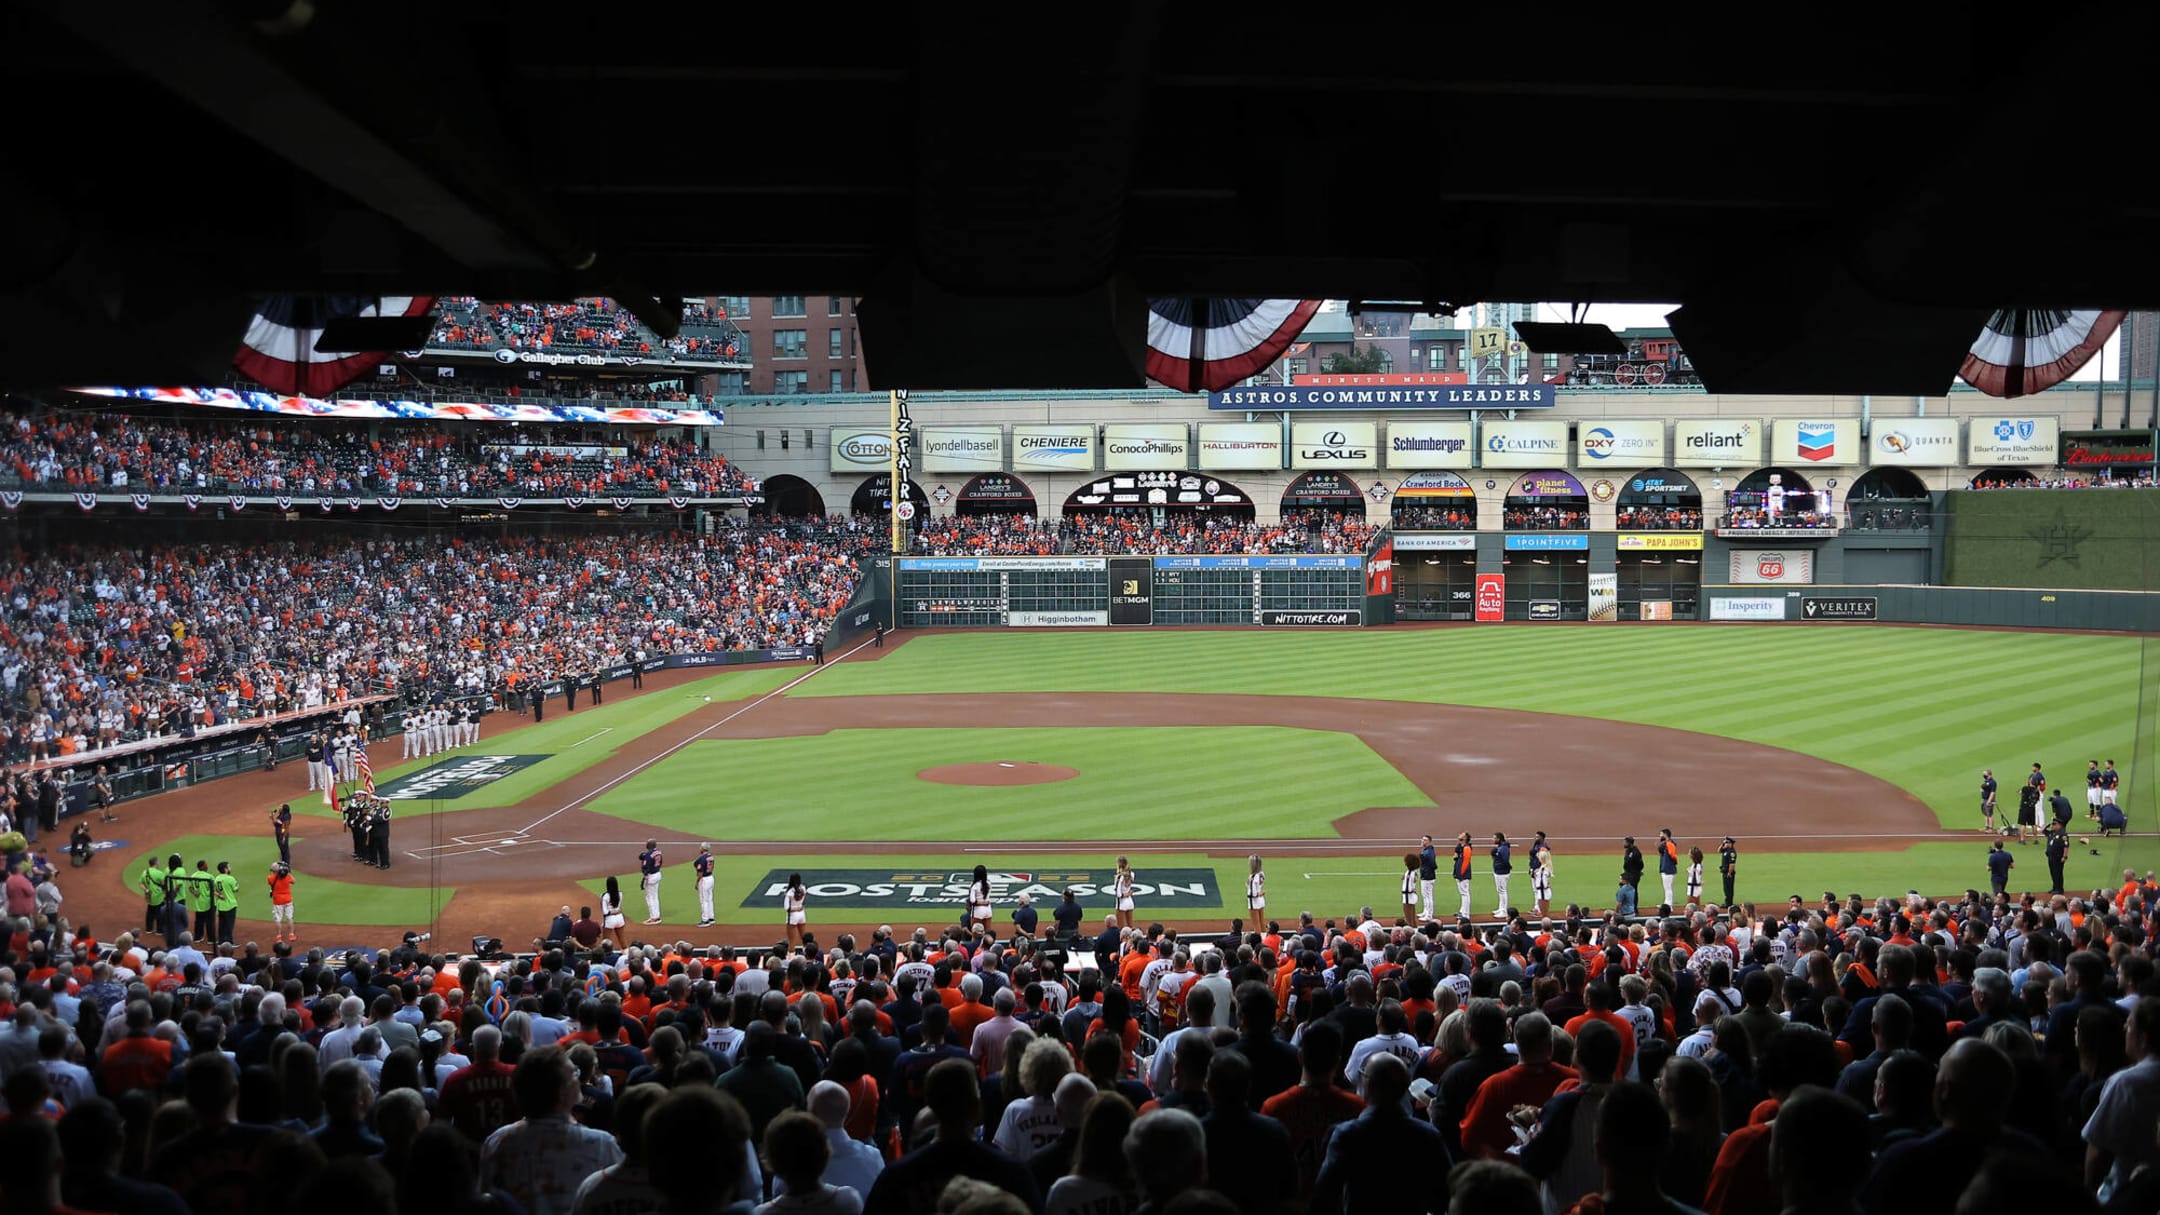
(1146, 447)
(1053, 448)
(861, 449)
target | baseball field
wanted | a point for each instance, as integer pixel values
(1841, 757)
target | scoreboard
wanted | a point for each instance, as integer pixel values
(1065, 592)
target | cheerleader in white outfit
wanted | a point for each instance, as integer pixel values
(1694, 875)
(794, 899)
(1121, 889)
(978, 898)
(1255, 891)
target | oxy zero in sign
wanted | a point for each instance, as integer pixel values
(1491, 597)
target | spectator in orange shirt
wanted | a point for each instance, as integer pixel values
(1740, 1181)
(969, 1012)
(1312, 1110)
(1600, 998)
(1513, 1097)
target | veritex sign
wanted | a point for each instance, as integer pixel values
(454, 778)
(1152, 888)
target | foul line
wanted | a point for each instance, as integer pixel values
(583, 798)
(589, 737)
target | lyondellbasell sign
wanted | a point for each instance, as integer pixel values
(896, 887)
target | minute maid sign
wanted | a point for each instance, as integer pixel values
(1045, 888)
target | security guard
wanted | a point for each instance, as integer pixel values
(199, 898)
(2058, 851)
(225, 900)
(152, 882)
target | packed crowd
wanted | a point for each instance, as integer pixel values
(2144, 481)
(1544, 518)
(1027, 535)
(1877, 516)
(1434, 519)
(68, 452)
(106, 644)
(1903, 1056)
(1658, 519)
(588, 326)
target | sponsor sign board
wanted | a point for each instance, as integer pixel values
(1654, 483)
(1380, 571)
(1914, 442)
(1001, 565)
(1322, 491)
(1656, 609)
(1549, 483)
(1056, 620)
(1434, 485)
(1147, 445)
(1991, 441)
(2098, 448)
(1053, 448)
(1604, 596)
(1306, 620)
(1544, 609)
(1430, 444)
(1717, 443)
(861, 449)
(1522, 444)
(1385, 396)
(1773, 565)
(1002, 488)
(455, 778)
(1240, 445)
(1132, 590)
(895, 887)
(1749, 608)
(1637, 443)
(1491, 604)
(1658, 542)
(1545, 542)
(1435, 542)
(1389, 379)
(1286, 562)
(1816, 608)
(961, 448)
(1826, 441)
(1334, 445)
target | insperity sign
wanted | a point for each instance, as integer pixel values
(1152, 888)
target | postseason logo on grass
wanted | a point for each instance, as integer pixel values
(1168, 888)
(454, 779)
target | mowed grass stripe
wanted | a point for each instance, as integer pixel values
(1140, 783)
(1924, 709)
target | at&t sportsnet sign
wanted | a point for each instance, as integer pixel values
(880, 888)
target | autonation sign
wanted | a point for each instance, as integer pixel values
(1438, 396)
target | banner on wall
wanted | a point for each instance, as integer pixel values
(1828, 441)
(1334, 445)
(1430, 444)
(1147, 446)
(1748, 608)
(1435, 542)
(1990, 441)
(1717, 443)
(1655, 609)
(1491, 598)
(1613, 444)
(861, 449)
(1604, 596)
(1435, 396)
(1053, 448)
(1522, 444)
(1235, 445)
(1380, 572)
(1784, 565)
(1434, 485)
(961, 448)
(1914, 442)
(1658, 542)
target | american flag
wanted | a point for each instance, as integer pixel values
(365, 769)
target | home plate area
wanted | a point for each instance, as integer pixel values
(494, 843)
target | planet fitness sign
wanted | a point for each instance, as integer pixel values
(878, 888)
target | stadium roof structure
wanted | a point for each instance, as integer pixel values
(1838, 200)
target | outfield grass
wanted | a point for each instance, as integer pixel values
(1925, 709)
(574, 741)
(1133, 783)
(319, 900)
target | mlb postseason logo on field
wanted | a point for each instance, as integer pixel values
(455, 779)
(880, 888)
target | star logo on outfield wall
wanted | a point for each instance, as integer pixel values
(2059, 540)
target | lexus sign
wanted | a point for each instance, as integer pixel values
(1335, 445)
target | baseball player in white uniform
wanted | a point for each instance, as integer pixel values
(442, 729)
(412, 735)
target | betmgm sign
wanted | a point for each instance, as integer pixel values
(878, 888)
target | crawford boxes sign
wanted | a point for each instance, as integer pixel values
(454, 779)
(880, 888)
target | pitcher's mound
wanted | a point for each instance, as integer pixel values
(1004, 772)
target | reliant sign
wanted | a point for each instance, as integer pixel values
(902, 888)
(1430, 444)
(1334, 445)
(1053, 448)
(1150, 446)
(961, 448)
(1522, 444)
(861, 449)
(1914, 442)
(1442, 396)
(1996, 441)
(1235, 445)
(1717, 443)
(1614, 444)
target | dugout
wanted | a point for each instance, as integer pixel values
(790, 497)
(995, 494)
(874, 497)
(1325, 493)
(1158, 497)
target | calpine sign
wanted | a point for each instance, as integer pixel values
(878, 888)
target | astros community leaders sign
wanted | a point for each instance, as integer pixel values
(1443, 396)
(878, 888)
